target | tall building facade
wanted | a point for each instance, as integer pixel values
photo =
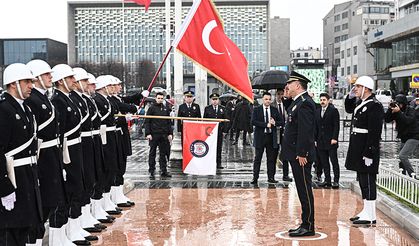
(397, 49)
(23, 50)
(306, 53)
(107, 31)
(345, 28)
(279, 42)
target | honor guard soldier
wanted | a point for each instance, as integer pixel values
(69, 118)
(364, 144)
(299, 150)
(117, 190)
(217, 111)
(187, 109)
(87, 143)
(20, 205)
(107, 113)
(50, 163)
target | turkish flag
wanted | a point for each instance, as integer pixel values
(146, 3)
(200, 147)
(202, 39)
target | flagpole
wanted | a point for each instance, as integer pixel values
(157, 74)
(123, 46)
(171, 118)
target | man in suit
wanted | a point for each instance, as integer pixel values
(299, 150)
(20, 201)
(281, 106)
(364, 144)
(187, 109)
(217, 111)
(326, 139)
(266, 120)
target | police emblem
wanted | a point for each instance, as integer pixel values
(199, 148)
(194, 107)
(44, 106)
(364, 109)
(68, 109)
(17, 117)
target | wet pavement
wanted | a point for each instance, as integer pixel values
(203, 216)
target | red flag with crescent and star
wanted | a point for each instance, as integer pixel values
(202, 39)
(145, 3)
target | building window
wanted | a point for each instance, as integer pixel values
(348, 70)
(383, 22)
(298, 54)
(337, 28)
(344, 15)
(337, 17)
(342, 71)
(306, 54)
(344, 37)
(355, 50)
(337, 50)
(355, 69)
(337, 39)
(345, 26)
(348, 52)
(342, 54)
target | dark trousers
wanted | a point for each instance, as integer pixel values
(302, 177)
(324, 156)
(318, 165)
(14, 236)
(270, 158)
(219, 147)
(285, 163)
(244, 135)
(367, 183)
(161, 141)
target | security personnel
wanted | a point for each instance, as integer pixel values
(20, 203)
(87, 143)
(69, 119)
(117, 194)
(107, 110)
(50, 164)
(159, 133)
(187, 109)
(298, 148)
(217, 111)
(364, 143)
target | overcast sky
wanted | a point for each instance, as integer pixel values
(48, 19)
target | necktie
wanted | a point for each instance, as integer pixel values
(267, 120)
(323, 110)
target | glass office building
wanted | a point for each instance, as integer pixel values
(101, 32)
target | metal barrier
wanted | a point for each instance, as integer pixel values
(388, 134)
(400, 185)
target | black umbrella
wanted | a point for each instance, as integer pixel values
(272, 79)
(228, 96)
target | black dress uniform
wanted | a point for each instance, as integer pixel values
(122, 127)
(159, 131)
(69, 119)
(327, 128)
(50, 162)
(217, 112)
(230, 110)
(87, 145)
(17, 128)
(367, 123)
(299, 141)
(187, 110)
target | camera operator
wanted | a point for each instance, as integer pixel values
(407, 130)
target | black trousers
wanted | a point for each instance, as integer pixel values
(367, 183)
(161, 141)
(270, 158)
(14, 237)
(244, 135)
(302, 177)
(324, 156)
(285, 163)
(219, 147)
(318, 165)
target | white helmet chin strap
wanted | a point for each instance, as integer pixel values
(42, 82)
(65, 85)
(362, 93)
(81, 86)
(19, 90)
(107, 92)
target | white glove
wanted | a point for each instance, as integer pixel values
(128, 117)
(367, 161)
(9, 201)
(145, 93)
(352, 93)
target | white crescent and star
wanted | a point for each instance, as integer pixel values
(206, 32)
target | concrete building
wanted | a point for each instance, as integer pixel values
(397, 48)
(25, 49)
(101, 32)
(279, 32)
(306, 53)
(352, 20)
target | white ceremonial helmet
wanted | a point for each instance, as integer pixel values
(365, 81)
(39, 67)
(61, 71)
(102, 81)
(15, 72)
(92, 79)
(80, 73)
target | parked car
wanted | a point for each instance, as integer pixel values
(384, 96)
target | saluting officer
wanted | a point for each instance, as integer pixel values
(298, 148)
(364, 144)
(117, 194)
(187, 109)
(217, 111)
(20, 206)
(69, 119)
(50, 164)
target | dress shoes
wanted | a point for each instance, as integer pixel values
(152, 176)
(363, 222)
(131, 202)
(254, 182)
(113, 212)
(92, 229)
(91, 238)
(272, 181)
(287, 179)
(335, 185)
(165, 175)
(101, 226)
(106, 221)
(325, 185)
(124, 205)
(302, 232)
(81, 242)
(293, 230)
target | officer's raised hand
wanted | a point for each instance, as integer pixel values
(149, 137)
